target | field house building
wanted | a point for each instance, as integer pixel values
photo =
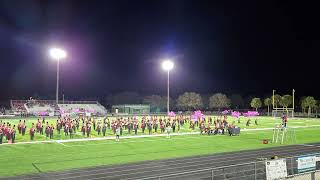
(131, 109)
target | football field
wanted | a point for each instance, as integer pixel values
(263, 122)
(20, 158)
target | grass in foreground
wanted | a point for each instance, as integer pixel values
(18, 159)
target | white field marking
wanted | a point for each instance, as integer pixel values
(126, 137)
(251, 132)
(102, 138)
(142, 136)
(295, 127)
(113, 142)
(309, 145)
(127, 141)
(28, 142)
(62, 144)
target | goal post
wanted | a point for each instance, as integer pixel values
(278, 111)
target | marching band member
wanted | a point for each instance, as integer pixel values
(32, 131)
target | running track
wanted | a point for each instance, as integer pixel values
(148, 169)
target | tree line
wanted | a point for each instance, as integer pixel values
(189, 101)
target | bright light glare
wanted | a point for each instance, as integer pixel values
(57, 53)
(167, 65)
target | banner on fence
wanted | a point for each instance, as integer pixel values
(306, 163)
(276, 169)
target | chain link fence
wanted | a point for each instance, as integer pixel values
(247, 171)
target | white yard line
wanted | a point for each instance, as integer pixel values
(125, 137)
(140, 141)
(261, 129)
(140, 136)
(61, 144)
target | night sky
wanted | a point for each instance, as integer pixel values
(244, 47)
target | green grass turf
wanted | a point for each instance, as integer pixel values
(18, 159)
(263, 122)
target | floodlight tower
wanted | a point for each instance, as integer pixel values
(167, 65)
(57, 54)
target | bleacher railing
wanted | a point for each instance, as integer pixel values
(52, 102)
(249, 171)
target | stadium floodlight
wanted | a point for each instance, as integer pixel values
(168, 65)
(57, 54)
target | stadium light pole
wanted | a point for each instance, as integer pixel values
(57, 54)
(167, 65)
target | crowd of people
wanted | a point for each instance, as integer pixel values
(220, 125)
(84, 126)
(8, 132)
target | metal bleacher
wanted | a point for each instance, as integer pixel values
(47, 107)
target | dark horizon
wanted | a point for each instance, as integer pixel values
(115, 46)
